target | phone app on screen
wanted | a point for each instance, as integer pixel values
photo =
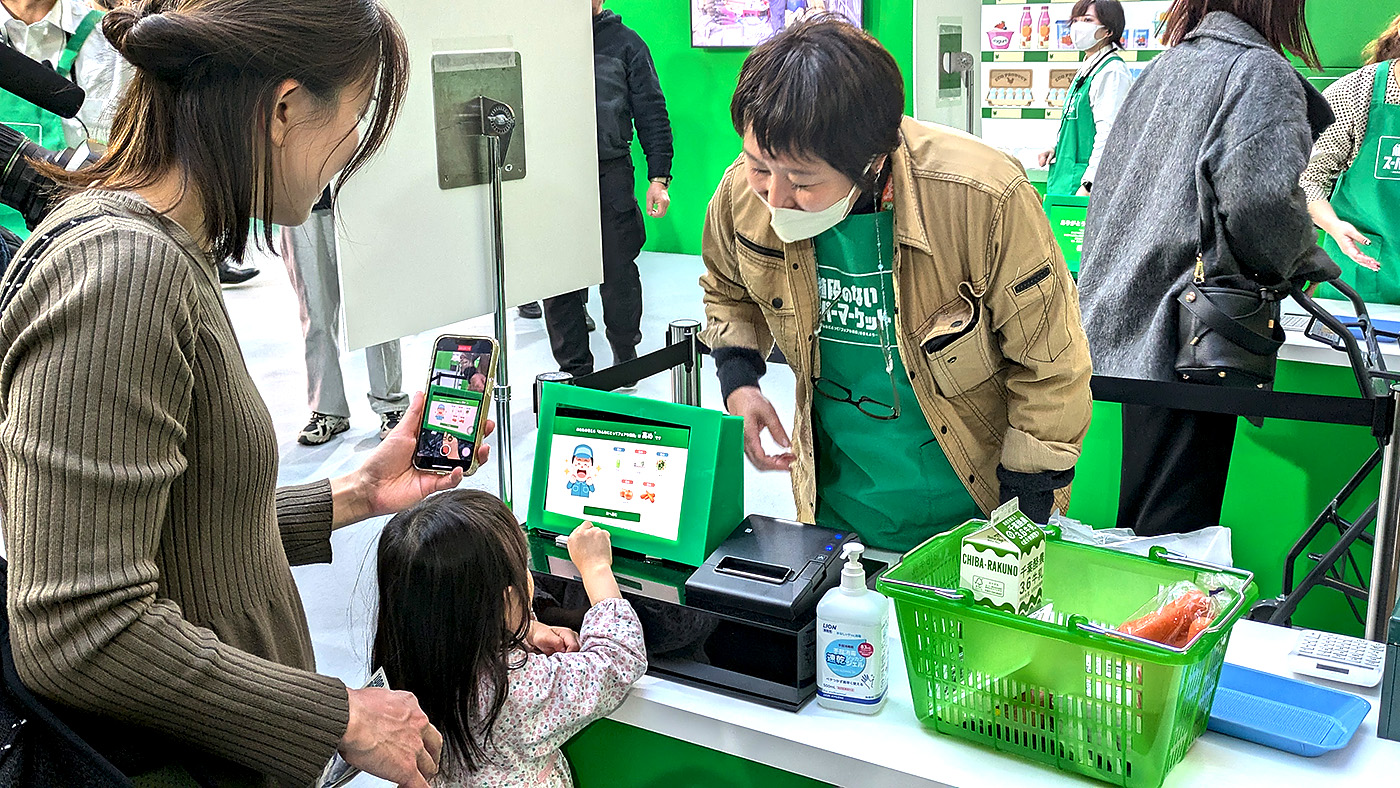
(456, 394)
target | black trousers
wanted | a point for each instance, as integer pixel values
(623, 236)
(1174, 467)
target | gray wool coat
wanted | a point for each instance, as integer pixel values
(1222, 106)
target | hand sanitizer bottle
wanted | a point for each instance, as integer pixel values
(853, 625)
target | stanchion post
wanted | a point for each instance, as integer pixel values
(1385, 562)
(685, 379)
(506, 481)
(548, 377)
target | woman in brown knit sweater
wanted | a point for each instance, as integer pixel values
(150, 594)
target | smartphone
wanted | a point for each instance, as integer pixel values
(458, 400)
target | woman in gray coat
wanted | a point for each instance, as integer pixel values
(1222, 105)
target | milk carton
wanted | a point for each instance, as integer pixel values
(1003, 564)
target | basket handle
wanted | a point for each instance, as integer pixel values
(1245, 574)
(1215, 626)
(1098, 630)
(946, 593)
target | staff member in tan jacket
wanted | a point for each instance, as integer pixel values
(909, 275)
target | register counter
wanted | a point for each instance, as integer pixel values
(893, 749)
(1298, 347)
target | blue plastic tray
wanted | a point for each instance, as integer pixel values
(1289, 715)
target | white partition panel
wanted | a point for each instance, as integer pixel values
(414, 257)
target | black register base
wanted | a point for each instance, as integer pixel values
(743, 624)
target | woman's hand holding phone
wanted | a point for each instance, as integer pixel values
(387, 482)
(590, 548)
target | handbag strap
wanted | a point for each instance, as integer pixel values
(1208, 313)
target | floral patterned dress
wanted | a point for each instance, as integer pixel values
(551, 698)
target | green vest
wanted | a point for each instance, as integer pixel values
(43, 128)
(1366, 195)
(1076, 143)
(888, 481)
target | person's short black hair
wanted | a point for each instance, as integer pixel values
(1110, 14)
(822, 88)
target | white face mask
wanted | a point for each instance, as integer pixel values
(1084, 34)
(792, 225)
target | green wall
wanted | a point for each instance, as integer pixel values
(1341, 28)
(698, 84)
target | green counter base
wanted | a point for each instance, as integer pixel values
(609, 754)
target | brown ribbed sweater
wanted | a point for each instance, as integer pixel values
(149, 548)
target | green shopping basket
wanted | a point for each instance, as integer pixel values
(1071, 692)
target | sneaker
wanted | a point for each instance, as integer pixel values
(322, 428)
(388, 421)
(530, 311)
(588, 321)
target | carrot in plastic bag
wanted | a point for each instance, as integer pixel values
(1170, 623)
(1198, 625)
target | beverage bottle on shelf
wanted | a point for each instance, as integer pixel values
(1026, 31)
(1045, 27)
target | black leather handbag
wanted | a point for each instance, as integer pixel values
(1229, 328)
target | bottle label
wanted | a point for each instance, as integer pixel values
(852, 665)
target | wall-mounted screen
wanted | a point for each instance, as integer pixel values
(747, 23)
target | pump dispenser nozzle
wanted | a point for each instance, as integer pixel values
(853, 573)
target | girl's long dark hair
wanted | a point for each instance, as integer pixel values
(207, 74)
(450, 569)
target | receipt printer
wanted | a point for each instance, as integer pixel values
(770, 567)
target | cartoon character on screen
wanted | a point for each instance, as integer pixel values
(581, 472)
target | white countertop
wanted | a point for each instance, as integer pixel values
(1298, 347)
(892, 748)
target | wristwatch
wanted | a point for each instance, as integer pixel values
(664, 180)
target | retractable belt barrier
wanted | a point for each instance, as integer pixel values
(639, 368)
(1254, 403)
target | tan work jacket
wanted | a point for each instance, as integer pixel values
(987, 316)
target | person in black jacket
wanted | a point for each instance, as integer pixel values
(628, 95)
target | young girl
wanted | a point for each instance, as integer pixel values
(454, 610)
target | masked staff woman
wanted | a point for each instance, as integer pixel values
(1095, 97)
(150, 595)
(1353, 179)
(909, 276)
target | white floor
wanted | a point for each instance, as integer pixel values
(339, 597)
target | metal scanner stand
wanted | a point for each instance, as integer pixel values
(495, 121)
(1381, 388)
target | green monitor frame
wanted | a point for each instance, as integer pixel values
(712, 503)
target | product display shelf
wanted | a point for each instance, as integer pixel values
(1062, 56)
(1022, 113)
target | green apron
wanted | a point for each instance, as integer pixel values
(1076, 143)
(43, 128)
(888, 481)
(1366, 195)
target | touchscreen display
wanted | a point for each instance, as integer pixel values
(624, 476)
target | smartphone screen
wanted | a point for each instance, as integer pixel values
(457, 400)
